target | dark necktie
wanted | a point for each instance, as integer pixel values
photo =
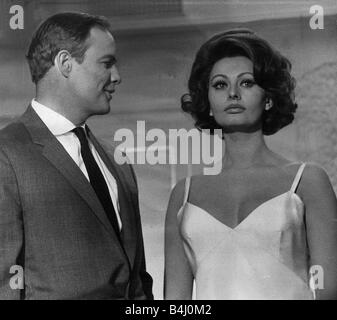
(96, 179)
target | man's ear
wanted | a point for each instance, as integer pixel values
(63, 63)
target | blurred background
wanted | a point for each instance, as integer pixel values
(156, 44)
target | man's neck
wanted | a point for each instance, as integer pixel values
(62, 107)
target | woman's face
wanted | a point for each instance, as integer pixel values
(236, 101)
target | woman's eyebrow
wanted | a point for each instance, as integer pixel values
(224, 76)
(219, 75)
(243, 73)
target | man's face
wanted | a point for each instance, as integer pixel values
(93, 81)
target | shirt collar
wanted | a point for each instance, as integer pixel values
(55, 122)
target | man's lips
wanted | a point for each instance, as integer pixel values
(109, 93)
(235, 108)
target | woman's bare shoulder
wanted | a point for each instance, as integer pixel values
(315, 173)
(314, 181)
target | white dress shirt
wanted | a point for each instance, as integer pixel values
(61, 128)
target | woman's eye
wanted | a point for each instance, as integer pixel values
(247, 83)
(219, 85)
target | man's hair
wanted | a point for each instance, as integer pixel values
(63, 31)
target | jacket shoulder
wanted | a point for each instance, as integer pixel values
(13, 133)
(14, 139)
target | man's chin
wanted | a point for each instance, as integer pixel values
(105, 109)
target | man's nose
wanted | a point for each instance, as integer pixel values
(115, 77)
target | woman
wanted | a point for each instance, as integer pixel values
(255, 230)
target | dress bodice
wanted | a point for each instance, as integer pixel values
(263, 257)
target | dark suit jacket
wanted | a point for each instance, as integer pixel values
(52, 223)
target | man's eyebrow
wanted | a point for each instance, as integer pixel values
(110, 57)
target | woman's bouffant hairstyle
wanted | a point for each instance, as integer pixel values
(271, 73)
(63, 31)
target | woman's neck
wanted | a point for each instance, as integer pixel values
(245, 150)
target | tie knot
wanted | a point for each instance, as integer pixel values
(80, 133)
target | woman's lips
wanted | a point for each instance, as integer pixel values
(235, 108)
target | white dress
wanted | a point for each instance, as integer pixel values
(264, 257)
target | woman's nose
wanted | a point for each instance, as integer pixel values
(234, 93)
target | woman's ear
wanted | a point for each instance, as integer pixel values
(268, 104)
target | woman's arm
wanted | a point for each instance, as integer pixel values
(178, 278)
(321, 222)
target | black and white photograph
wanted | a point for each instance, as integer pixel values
(168, 150)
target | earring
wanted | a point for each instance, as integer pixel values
(210, 113)
(269, 104)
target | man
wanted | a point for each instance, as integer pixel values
(69, 215)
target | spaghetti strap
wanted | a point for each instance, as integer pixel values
(187, 189)
(297, 178)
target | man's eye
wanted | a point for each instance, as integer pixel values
(108, 64)
(247, 83)
(219, 85)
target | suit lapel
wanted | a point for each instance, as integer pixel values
(54, 152)
(126, 203)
